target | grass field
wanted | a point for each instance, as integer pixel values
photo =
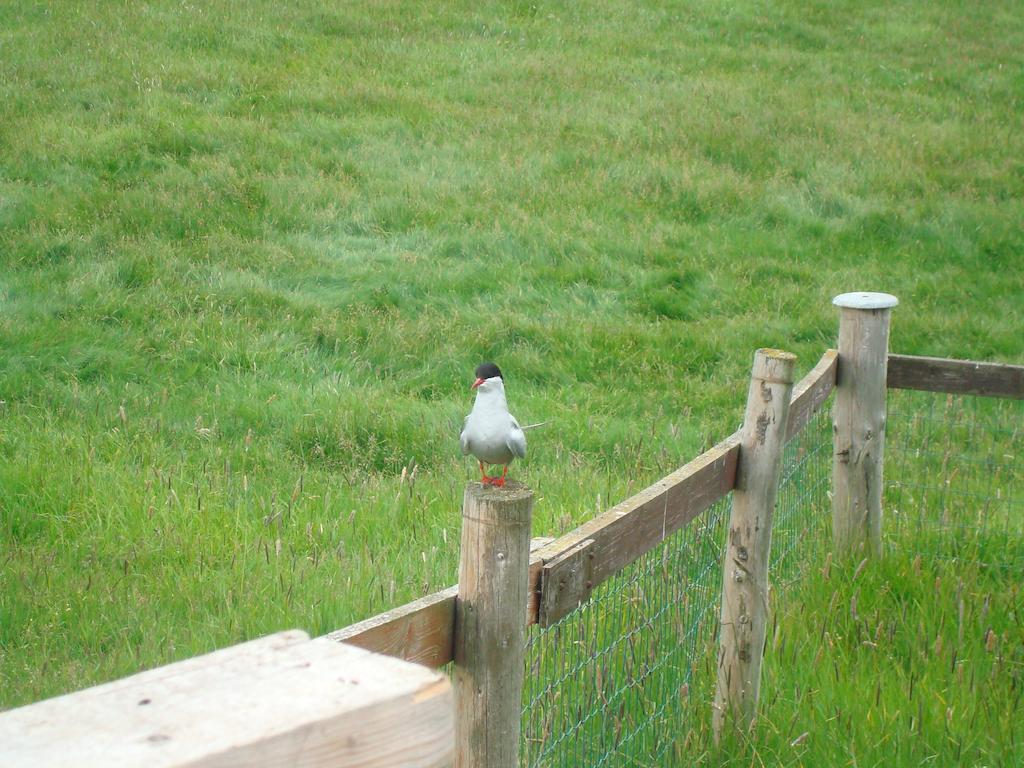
(251, 252)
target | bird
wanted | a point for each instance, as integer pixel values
(490, 432)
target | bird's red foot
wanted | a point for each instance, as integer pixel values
(498, 481)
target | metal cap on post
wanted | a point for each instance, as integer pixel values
(490, 624)
(859, 421)
(748, 547)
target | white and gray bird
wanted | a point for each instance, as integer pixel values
(490, 432)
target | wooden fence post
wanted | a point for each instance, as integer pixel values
(859, 422)
(745, 564)
(490, 625)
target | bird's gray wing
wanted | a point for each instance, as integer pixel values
(464, 437)
(516, 439)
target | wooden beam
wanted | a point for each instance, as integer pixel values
(422, 631)
(810, 392)
(566, 581)
(283, 700)
(638, 524)
(961, 377)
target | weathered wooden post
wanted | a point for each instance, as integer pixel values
(859, 422)
(490, 625)
(745, 579)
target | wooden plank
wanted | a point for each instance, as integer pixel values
(638, 524)
(810, 392)
(744, 606)
(278, 701)
(566, 582)
(490, 635)
(422, 631)
(962, 377)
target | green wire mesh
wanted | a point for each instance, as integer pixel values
(954, 471)
(622, 680)
(802, 525)
(607, 682)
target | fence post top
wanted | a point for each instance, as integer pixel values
(513, 490)
(865, 300)
(775, 354)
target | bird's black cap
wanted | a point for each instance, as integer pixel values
(488, 371)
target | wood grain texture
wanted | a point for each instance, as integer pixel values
(490, 634)
(811, 391)
(859, 432)
(638, 524)
(744, 611)
(961, 377)
(283, 700)
(422, 631)
(566, 582)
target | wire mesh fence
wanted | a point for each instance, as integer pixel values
(955, 477)
(609, 684)
(801, 529)
(624, 679)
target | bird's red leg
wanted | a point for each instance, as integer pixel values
(483, 475)
(500, 481)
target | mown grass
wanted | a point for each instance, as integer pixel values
(250, 253)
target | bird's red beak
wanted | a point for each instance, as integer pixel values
(477, 383)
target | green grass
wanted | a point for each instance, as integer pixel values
(914, 662)
(251, 252)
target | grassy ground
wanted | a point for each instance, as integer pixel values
(918, 659)
(251, 252)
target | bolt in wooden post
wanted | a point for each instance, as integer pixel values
(490, 625)
(859, 422)
(745, 580)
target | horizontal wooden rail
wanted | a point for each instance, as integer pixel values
(564, 572)
(637, 525)
(422, 631)
(960, 377)
(282, 700)
(810, 392)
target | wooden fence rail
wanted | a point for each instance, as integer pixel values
(282, 700)
(958, 377)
